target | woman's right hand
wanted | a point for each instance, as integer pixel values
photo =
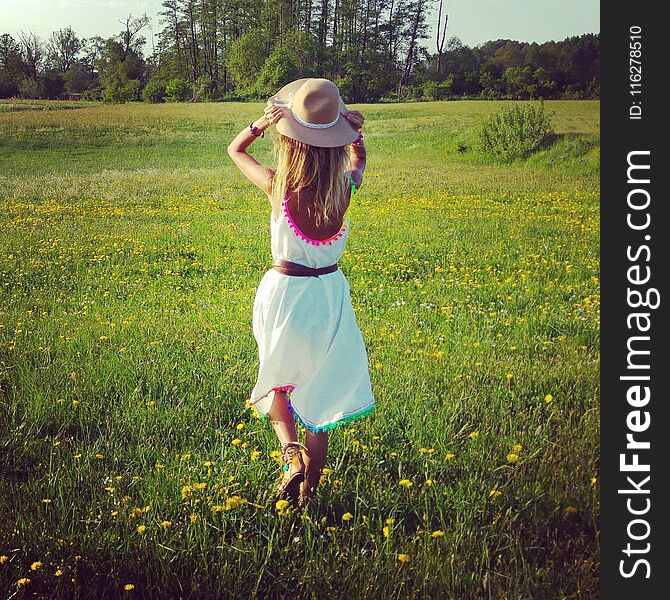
(354, 117)
(273, 113)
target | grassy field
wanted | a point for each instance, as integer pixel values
(130, 251)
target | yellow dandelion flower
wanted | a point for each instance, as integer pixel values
(128, 587)
(403, 558)
(166, 524)
(23, 581)
(3, 559)
(208, 463)
(548, 398)
(234, 502)
(495, 493)
(347, 516)
(437, 534)
(508, 376)
(255, 454)
(594, 480)
(236, 442)
(58, 573)
(282, 505)
(406, 483)
(199, 486)
(239, 426)
(47, 500)
(511, 457)
(426, 450)
(474, 435)
(114, 513)
(517, 448)
(36, 565)
(111, 490)
(136, 512)
(99, 456)
(193, 518)
(327, 471)
(450, 456)
(141, 528)
(331, 528)
(390, 521)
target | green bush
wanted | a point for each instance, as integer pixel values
(154, 91)
(279, 69)
(178, 90)
(121, 89)
(515, 131)
(92, 94)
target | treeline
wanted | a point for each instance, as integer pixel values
(247, 49)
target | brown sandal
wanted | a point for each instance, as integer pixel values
(289, 487)
(306, 494)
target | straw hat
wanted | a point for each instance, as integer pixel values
(312, 114)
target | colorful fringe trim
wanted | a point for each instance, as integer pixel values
(315, 429)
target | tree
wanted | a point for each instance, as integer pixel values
(12, 69)
(33, 53)
(441, 35)
(416, 32)
(245, 59)
(63, 49)
(120, 64)
(279, 69)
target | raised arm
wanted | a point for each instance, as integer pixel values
(237, 149)
(357, 151)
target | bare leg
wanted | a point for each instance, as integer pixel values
(315, 458)
(283, 423)
(281, 418)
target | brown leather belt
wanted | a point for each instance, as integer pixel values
(286, 267)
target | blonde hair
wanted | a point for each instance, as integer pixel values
(301, 165)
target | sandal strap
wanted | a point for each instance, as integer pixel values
(289, 449)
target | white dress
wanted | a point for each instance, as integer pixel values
(309, 343)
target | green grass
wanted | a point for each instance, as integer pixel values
(130, 251)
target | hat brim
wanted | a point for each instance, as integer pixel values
(339, 134)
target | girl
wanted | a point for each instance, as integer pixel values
(313, 362)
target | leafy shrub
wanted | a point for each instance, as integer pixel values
(178, 90)
(515, 131)
(121, 89)
(279, 69)
(29, 88)
(92, 94)
(154, 91)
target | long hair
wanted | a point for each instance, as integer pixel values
(301, 165)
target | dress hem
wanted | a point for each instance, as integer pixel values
(313, 428)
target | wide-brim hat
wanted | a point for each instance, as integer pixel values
(313, 113)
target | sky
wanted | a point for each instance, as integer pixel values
(473, 21)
